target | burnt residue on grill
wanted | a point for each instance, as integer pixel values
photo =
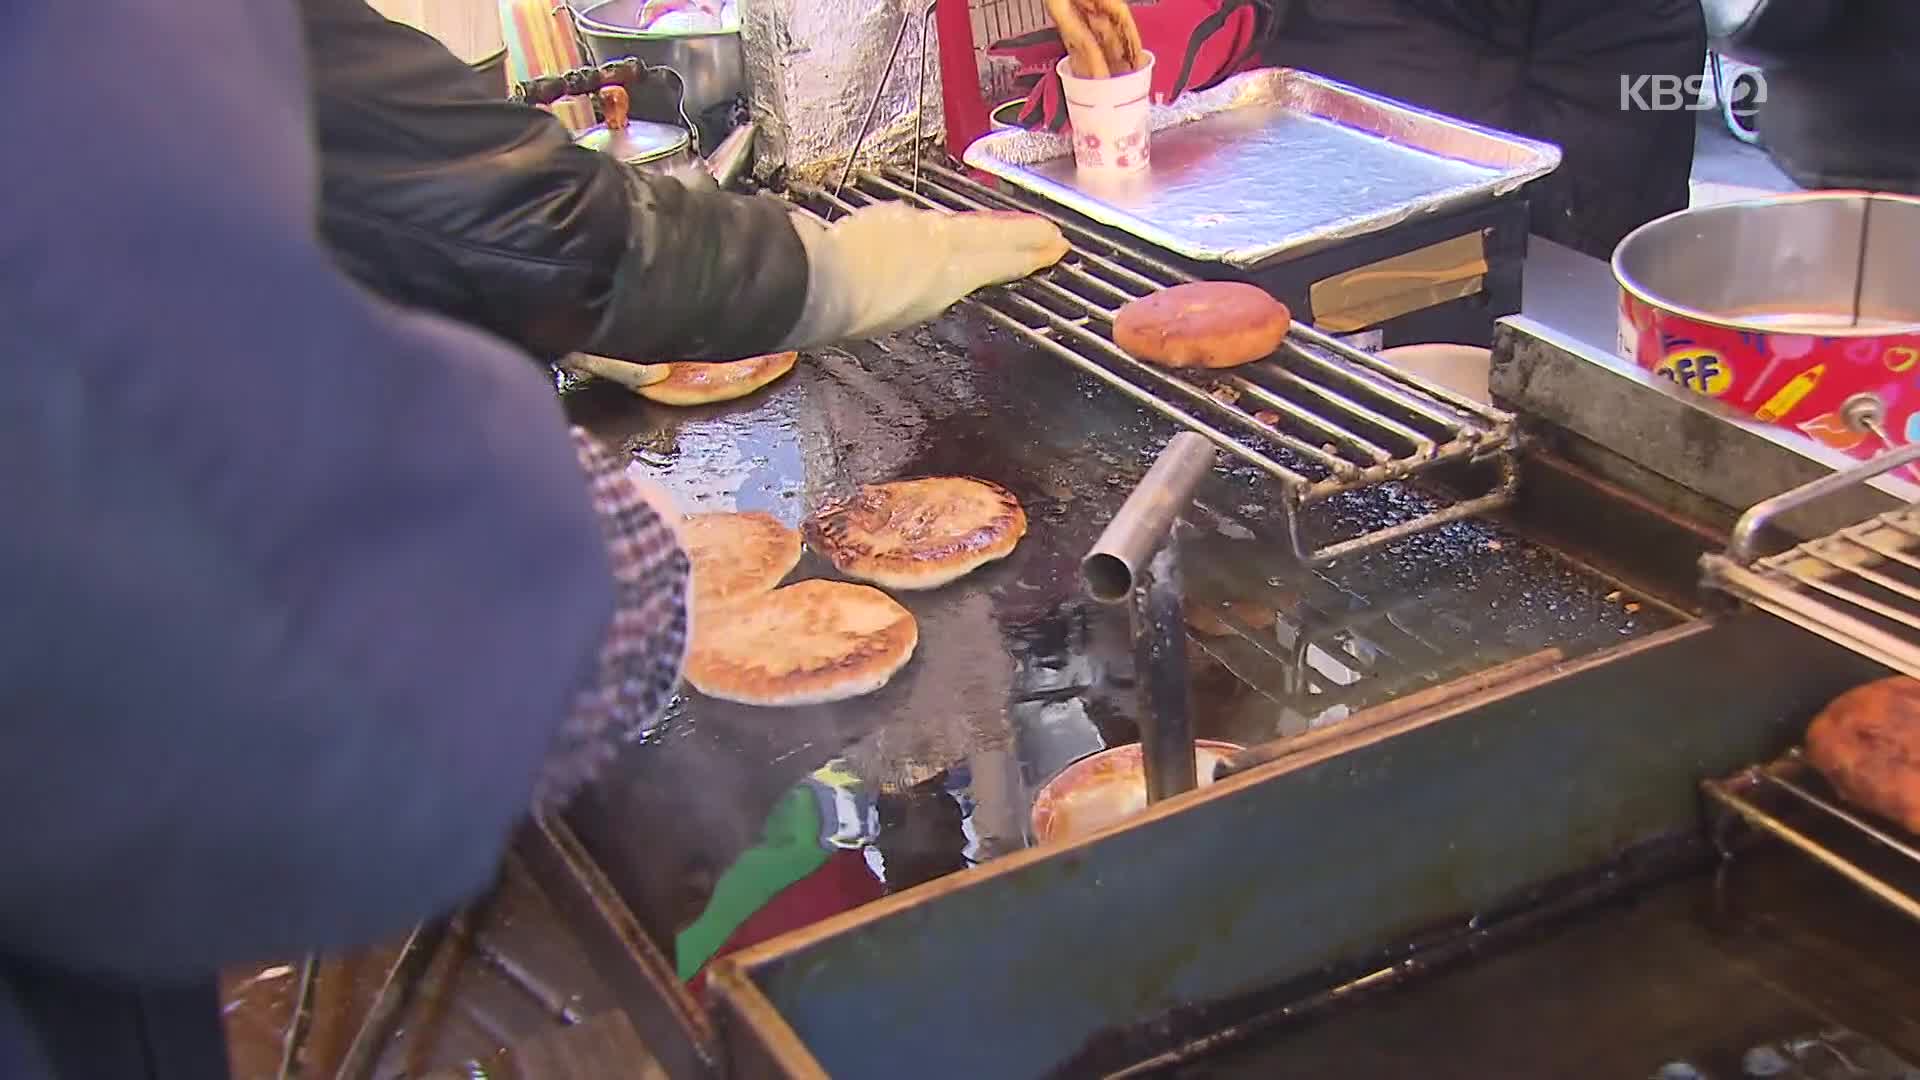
(1018, 674)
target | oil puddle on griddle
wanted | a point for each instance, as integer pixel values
(1017, 674)
(742, 455)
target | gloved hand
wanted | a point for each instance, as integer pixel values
(1195, 44)
(886, 267)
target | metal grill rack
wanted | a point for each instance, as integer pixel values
(1787, 800)
(1320, 416)
(1858, 587)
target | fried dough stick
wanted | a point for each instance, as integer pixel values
(1085, 57)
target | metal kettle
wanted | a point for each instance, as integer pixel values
(660, 148)
(667, 149)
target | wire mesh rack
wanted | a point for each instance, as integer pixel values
(1320, 416)
(1858, 587)
(1786, 799)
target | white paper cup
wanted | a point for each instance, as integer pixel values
(1111, 119)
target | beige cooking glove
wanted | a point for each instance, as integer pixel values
(886, 267)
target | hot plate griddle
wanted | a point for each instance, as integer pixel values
(1017, 674)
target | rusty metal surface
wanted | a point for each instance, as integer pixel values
(538, 980)
(638, 976)
(1303, 864)
(1019, 674)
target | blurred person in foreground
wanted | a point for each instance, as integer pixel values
(308, 591)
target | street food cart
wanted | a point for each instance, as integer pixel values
(1511, 689)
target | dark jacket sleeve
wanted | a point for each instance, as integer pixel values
(298, 586)
(440, 195)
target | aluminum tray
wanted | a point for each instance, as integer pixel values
(1276, 162)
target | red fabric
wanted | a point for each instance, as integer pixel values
(842, 883)
(963, 110)
(1172, 30)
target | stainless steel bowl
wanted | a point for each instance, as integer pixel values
(712, 66)
(1832, 262)
(1797, 310)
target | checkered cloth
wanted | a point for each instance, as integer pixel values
(640, 657)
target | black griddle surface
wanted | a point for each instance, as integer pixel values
(1017, 674)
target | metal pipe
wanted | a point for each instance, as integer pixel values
(1137, 559)
(1123, 551)
(556, 1004)
(1746, 532)
(1160, 670)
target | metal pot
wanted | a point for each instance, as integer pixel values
(659, 148)
(1107, 787)
(1800, 310)
(711, 66)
